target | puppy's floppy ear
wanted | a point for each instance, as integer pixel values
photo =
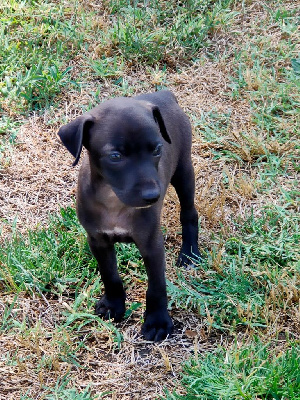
(159, 119)
(73, 134)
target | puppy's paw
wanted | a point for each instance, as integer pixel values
(110, 309)
(188, 259)
(157, 326)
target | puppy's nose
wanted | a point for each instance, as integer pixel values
(151, 195)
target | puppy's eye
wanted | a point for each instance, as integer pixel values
(157, 150)
(115, 156)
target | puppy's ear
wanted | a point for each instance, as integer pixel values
(74, 134)
(159, 119)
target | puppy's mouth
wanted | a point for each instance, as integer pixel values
(138, 203)
(147, 206)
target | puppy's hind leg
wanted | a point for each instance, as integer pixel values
(112, 303)
(184, 183)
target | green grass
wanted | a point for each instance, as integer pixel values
(8, 133)
(154, 32)
(265, 75)
(244, 371)
(62, 392)
(39, 39)
(47, 260)
(36, 40)
(250, 285)
(56, 262)
(232, 287)
(241, 273)
(55, 259)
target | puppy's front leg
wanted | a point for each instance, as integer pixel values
(158, 324)
(112, 303)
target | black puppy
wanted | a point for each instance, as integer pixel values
(136, 147)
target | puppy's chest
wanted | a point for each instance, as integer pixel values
(114, 220)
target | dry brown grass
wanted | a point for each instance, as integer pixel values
(139, 369)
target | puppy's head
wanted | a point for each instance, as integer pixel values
(125, 140)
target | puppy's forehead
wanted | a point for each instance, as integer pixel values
(123, 120)
(120, 103)
(129, 113)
